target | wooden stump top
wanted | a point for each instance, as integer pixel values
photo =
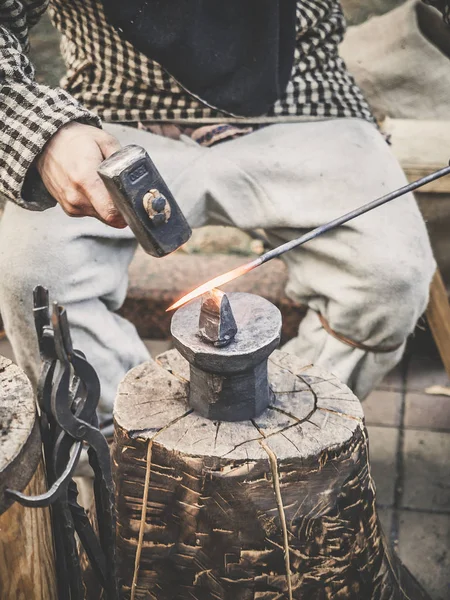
(306, 401)
(19, 431)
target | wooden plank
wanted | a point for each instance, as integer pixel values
(438, 316)
(421, 147)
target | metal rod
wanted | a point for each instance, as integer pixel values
(241, 270)
(410, 187)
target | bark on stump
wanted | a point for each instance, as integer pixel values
(27, 569)
(279, 507)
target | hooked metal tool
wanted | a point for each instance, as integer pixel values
(68, 394)
(146, 203)
(278, 251)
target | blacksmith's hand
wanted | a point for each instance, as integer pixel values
(68, 167)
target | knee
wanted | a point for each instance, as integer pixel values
(398, 294)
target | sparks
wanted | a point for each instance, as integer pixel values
(214, 283)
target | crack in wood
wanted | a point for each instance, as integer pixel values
(136, 434)
(263, 436)
(296, 419)
(341, 414)
(171, 371)
(291, 442)
(258, 429)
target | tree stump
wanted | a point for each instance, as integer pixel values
(27, 570)
(282, 506)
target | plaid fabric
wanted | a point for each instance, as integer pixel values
(109, 76)
(29, 113)
(106, 75)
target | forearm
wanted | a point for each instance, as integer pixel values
(30, 113)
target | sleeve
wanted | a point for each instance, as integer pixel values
(30, 113)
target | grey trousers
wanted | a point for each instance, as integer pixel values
(370, 278)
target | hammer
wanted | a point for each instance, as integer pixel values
(143, 198)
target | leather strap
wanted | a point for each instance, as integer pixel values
(345, 340)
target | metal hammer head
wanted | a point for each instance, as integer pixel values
(142, 196)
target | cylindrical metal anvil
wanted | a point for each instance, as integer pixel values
(227, 341)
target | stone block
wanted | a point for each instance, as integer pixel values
(425, 371)
(424, 541)
(427, 470)
(426, 411)
(219, 239)
(382, 407)
(393, 381)
(383, 462)
(385, 516)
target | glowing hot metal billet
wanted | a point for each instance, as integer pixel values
(226, 277)
(216, 323)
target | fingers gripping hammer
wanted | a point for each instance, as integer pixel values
(143, 198)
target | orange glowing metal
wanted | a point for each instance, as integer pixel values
(217, 295)
(214, 283)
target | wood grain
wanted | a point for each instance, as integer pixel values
(438, 316)
(276, 508)
(19, 435)
(27, 569)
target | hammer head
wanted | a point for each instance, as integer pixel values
(146, 203)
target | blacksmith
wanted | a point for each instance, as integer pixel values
(178, 78)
